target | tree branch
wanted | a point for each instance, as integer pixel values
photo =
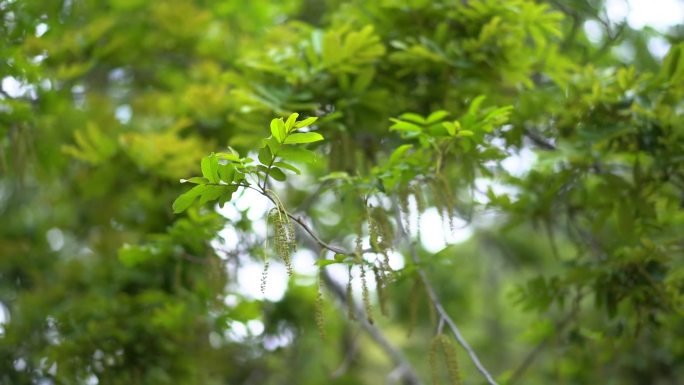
(443, 315)
(373, 331)
(398, 359)
(396, 356)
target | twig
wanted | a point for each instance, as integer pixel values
(396, 356)
(538, 139)
(444, 316)
(393, 353)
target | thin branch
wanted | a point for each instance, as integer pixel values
(372, 330)
(397, 357)
(443, 314)
(315, 237)
(432, 294)
(538, 139)
(395, 354)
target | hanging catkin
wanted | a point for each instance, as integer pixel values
(264, 277)
(451, 360)
(404, 193)
(284, 237)
(380, 288)
(351, 313)
(366, 295)
(443, 343)
(320, 320)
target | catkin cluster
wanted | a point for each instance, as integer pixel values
(380, 229)
(365, 293)
(284, 236)
(444, 198)
(404, 194)
(320, 320)
(443, 343)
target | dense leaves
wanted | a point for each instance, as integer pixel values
(328, 144)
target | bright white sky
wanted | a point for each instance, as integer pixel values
(659, 14)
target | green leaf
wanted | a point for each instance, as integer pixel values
(288, 167)
(437, 116)
(211, 193)
(226, 173)
(265, 156)
(451, 127)
(186, 199)
(210, 168)
(273, 144)
(411, 117)
(398, 153)
(400, 125)
(290, 124)
(278, 129)
(277, 174)
(475, 105)
(306, 122)
(335, 175)
(305, 137)
(131, 256)
(326, 262)
(233, 157)
(297, 155)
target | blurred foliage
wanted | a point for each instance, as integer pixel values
(574, 272)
